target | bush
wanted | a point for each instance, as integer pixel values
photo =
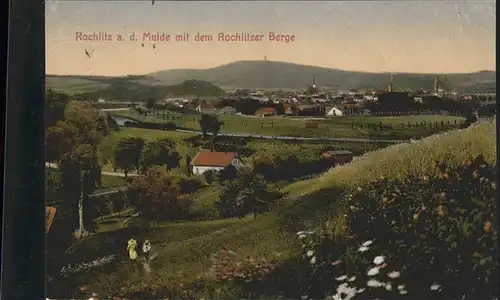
(247, 195)
(229, 173)
(191, 184)
(210, 176)
(436, 233)
(155, 195)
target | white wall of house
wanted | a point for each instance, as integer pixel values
(202, 169)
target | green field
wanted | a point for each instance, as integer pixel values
(107, 182)
(348, 126)
(106, 147)
(184, 248)
(258, 147)
(71, 85)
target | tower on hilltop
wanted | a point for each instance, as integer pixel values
(391, 78)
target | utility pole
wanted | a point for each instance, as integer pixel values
(80, 204)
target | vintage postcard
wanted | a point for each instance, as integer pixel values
(265, 150)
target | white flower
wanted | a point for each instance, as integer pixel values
(435, 287)
(337, 297)
(304, 297)
(345, 289)
(393, 274)
(305, 232)
(360, 291)
(352, 279)
(403, 292)
(367, 243)
(310, 253)
(378, 260)
(363, 249)
(313, 260)
(388, 287)
(401, 287)
(341, 278)
(373, 271)
(374, 283)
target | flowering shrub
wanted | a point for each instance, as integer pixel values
(66, 270)
(228, 266)
(425, 237)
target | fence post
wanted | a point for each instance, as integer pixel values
(442, 123)
(409, 125)
(380, 125)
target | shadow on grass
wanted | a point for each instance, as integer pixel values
(86, 251)
(308, 212)
(290, 278)
(287, 280)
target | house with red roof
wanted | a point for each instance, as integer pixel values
(207, 160)
(206, 108)
(266, 111)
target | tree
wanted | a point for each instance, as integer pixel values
(59, 139)
(210, 124)
(127, 153)
(229, 203)
(264, 166)
(87, 121)
(209, 176)
(158, 153)
(248, 194)
(256, 197)
(155, 195)
(188, 165)
(229, 173)
(150, 103)
(55, 104)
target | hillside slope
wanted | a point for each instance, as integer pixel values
(131, 88)
(273, 74)
(308, 204)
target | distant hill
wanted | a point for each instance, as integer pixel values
(283, 75)
(128, 88)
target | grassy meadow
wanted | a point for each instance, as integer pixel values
(348, 126)
(183, 249)
(73, 85)
(186, 144)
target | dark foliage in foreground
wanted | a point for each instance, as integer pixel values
(435, 231)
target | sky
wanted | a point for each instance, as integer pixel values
(374, 36)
